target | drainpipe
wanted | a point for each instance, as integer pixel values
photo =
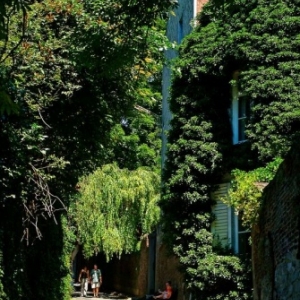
(195, 8)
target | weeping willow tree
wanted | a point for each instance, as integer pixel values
(116, 209)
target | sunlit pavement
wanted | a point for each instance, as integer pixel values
(115, 296)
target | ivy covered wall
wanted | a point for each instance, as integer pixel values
(259, 40)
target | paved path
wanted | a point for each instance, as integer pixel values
(103, 296)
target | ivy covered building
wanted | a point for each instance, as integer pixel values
(180, 25)
(233, 104)
(224, 229)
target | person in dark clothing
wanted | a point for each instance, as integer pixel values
(83, 279)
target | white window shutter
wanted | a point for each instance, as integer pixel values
(222, 225)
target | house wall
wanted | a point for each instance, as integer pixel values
(200, 4)
(275, 239)
(183, 14)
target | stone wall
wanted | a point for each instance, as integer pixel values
(275, 239)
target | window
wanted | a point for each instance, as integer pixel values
(221, 227)
(227, 228)
(240, 112)
(244, 109)
(241, 237)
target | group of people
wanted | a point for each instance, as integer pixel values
(94, 277)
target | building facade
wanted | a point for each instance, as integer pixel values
(180, 24)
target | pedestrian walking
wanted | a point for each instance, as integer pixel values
(83, 279)
(96, 280)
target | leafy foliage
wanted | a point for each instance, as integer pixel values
(7, 8)
(116, 209)
(135, 141)
(246, 189)
(259, 40)
(2, 293)
(69, 76)
(256, 40)
(59, 102)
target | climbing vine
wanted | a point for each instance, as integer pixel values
(259, 40)
(246, 190)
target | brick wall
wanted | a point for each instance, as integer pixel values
(128, 274)
(275, 239)
(167, 268)
(200, 4)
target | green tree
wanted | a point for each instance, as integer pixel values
(7, 8)
(116, 209)
(67, 106)
(135, 141)
(61, 96)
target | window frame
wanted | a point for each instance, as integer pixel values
(236, 118)
(228, 218)
(236, 232)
